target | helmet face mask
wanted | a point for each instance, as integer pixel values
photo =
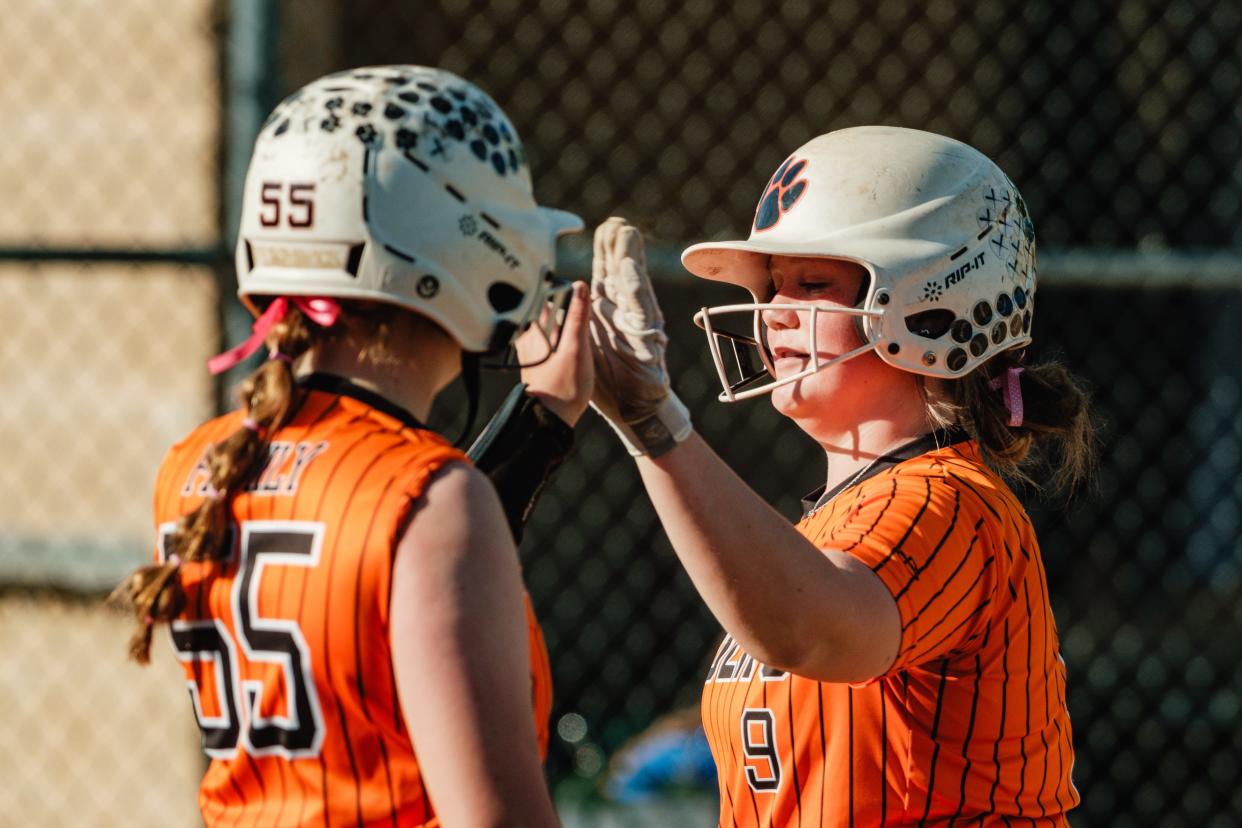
(943, 233)
(405, 185)
(736, 354)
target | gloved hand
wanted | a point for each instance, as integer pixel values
(627, 335)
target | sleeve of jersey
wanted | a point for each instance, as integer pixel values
(934, 557)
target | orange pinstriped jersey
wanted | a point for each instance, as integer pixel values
(968, 726)
(286, 648)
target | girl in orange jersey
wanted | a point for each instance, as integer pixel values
(892, 659)
(338, 580)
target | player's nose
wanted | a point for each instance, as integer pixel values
(780, 318)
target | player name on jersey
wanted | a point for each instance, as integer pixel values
(733, 664)
(286, 463)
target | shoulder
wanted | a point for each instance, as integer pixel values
(189, 449)
(927, 495)
(206, 433)
(456, 512)
(457, 493)
(357, 441)
(956, 471)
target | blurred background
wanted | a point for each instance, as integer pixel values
(127, 126)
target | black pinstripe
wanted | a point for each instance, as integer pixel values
(977, 495)
(729, 749)
(892, 495)
(323, 493)
(793, 744)
(949, 580)
(1026, 591)
(883, 754)
(957, 499)
(722, 750)
(327, 662)
(974, 615)
(970, 730)
(362, 694)
(850, 696)
(935, 734)
(763, 689)
(823, 755)
(896, 550)
(1001, 730)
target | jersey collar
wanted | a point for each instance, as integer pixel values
(928, 442)
(333, 384)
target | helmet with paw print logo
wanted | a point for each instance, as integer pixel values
(941, 231)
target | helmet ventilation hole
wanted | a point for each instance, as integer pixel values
(930, 324)
(982, 313)
(504, 297)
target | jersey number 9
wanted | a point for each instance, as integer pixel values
(763, 762)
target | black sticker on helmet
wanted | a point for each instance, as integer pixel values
(428, 286)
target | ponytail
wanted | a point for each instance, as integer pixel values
(268, 400)
(1043, 432)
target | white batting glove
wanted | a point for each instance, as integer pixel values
(627, 335)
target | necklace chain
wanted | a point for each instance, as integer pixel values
(858, 475)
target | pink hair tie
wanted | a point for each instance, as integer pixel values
(148, 620)
(250, 425)
(1013, 394)
(278, 356)
(175, 560)
(321, 310)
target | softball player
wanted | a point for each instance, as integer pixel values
(338, 580)
(892, 659)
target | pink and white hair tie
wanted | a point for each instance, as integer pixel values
(1013, 394)
(322, 310)
(250, 425)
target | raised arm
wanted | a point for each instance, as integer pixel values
(818, 613)
(461, 658)
(821, 614)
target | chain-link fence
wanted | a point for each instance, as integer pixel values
(1119, 121)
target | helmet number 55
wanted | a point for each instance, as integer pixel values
(294, 203)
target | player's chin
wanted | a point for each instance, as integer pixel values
(788, 399)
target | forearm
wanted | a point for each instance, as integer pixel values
(788, 604)
(520, 450)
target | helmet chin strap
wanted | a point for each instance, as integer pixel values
(470, 372)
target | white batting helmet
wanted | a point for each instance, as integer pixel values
(401, 184)
(943, 233)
